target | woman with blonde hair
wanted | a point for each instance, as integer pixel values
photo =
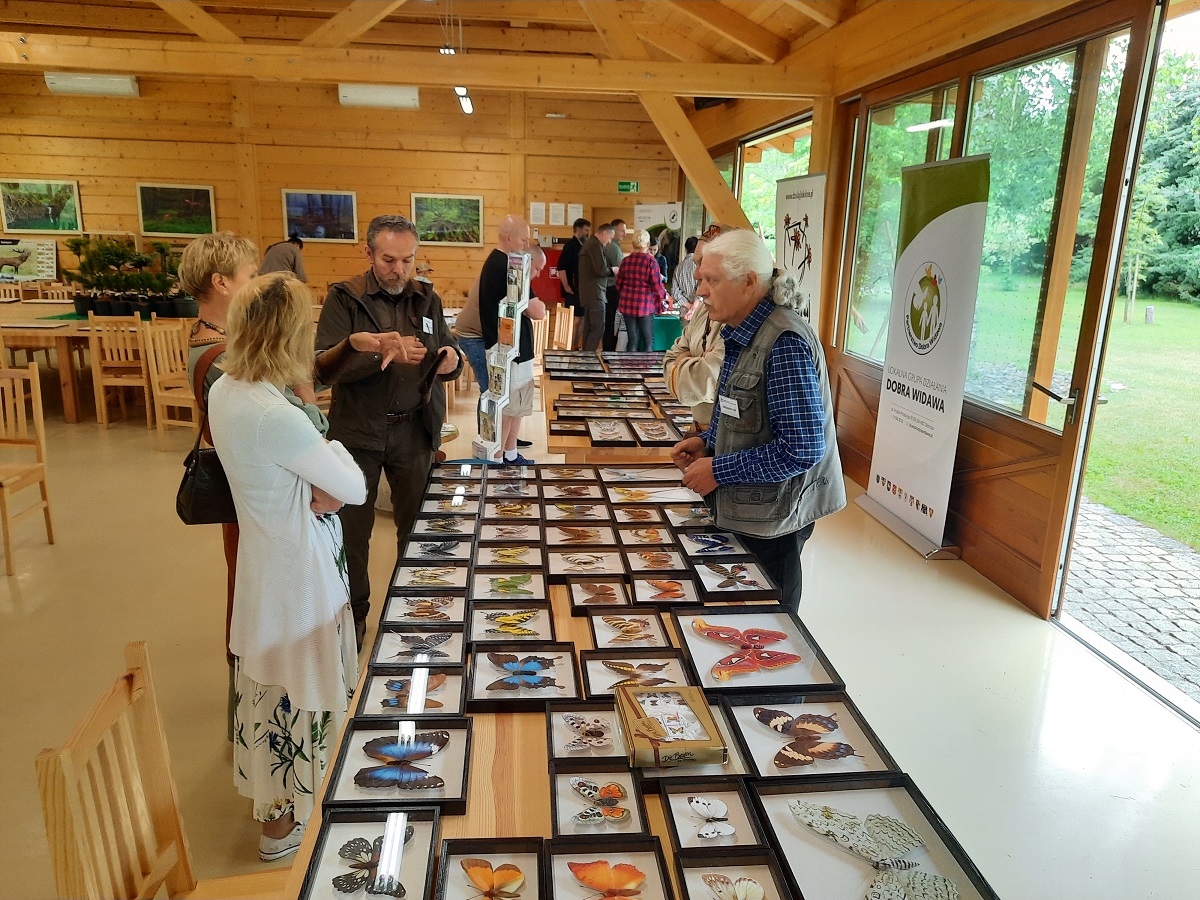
(641, 292)
(292, 632)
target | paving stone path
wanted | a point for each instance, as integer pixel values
(1140, 591)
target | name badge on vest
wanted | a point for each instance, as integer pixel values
(729, 407)
(427, 325)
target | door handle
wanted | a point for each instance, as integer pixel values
(1070, 401)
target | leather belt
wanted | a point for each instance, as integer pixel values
(399, 418)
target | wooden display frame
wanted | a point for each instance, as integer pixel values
(697, 550)
(757, 863)
(477, 624)
(452, 695)
(650, 537)
(637, 850)
(577, 511)
(512, 510)
(389, 639)
(601, 771)
(512, 489)
(511, 532)
(497, 851)
(446, 526)
(485, 586)
(646, 432)
(574, 562)
(660, 562)
(420, 550)
(610, 432)
(522, 700)
(488, 555)
(565, 535)
(561, 472)
(577, 594)
(748, 833)
(676, 670)
(604, 637)
(646, 594)
(401, 609)
(430, 577)
(587, 757)
(709, 576)
(639, 516)
(450, 504)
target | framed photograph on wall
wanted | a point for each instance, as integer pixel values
(329, 216)
(176, 210)
(448, 219)
(36, 206)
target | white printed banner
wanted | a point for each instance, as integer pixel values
(799, 225)
(647, 215)
(943, 207)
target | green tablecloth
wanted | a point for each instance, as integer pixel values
(666, 330)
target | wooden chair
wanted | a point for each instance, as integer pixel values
(58, 292)
(166, 344)
(112, 810)
(564, 328)
(16, 387)
(118, 360)
(10, 291)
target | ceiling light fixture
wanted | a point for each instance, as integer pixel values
(930, 126)
(387, 96)
(96, 85)
(464, 100)
(556, 115)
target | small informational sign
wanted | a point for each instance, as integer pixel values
(627, 187)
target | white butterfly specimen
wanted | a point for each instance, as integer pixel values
(592, 732)
(726, 888)
(883, 842)
(715, 814)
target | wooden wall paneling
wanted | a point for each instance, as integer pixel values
(516, 163)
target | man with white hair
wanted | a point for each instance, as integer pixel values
(768, 464)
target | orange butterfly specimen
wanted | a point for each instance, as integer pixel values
(667, 590)
(751, 654)
(648, 535)
(637, 515)
(502, 881)
(603, 800)
(656, 559)
(621, 880)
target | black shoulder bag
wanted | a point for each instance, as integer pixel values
(204, 497)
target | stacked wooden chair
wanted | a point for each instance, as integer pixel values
(22, 430)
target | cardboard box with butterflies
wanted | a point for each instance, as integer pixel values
(669, 727)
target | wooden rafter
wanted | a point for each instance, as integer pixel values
(274, 62)
(673, 45)
(824, 14)
(620, 39)
(194, 18)
(724, 22)
(359, 17)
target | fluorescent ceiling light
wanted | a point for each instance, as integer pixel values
(102, 85)
(460, 91)
(556, 115)
(467, 106)
(389, 96)
(447, 50)
(930, 126)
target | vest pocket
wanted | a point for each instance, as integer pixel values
(749, 419)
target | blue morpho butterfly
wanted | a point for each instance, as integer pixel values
(399, 754)
(523, 672)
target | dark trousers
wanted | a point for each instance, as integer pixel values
(640, 330)
(780, 558)
(405, 461)
(610, 320)
(593, 321)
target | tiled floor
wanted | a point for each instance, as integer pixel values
(1060, 777)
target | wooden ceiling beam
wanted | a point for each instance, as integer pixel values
(356, 19)
(619, 38)
(724, 22)
(197, 20)
(274, 62)
(681, 49)
(824, 14)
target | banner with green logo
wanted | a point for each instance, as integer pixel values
(943, 207)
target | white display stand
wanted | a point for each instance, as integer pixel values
(500, 359)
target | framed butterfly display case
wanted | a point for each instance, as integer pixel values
(504, 532)
(728, 876)
(509, 585)
(651, 536)
(592, 804)
(734, 579)
(413, 691)
(438, 645)
(704, 815)
(401, 761)
(624, 867)
(444, 526)
(451, 488)
(806, 735)
(512, 510)
(639, 473)
(709, 542)
(616, 630)
(354, 846)
(422, 551)
(503, 489)
(605, 592)
(660, 589)
(638, 515)
(583, 730)
(586, 511)
(688, 515)
(562, 564)
(655, 432)
(567, 473)
(521, 677)
(847, 838)
(571, 490)
(752, 648)
(491, 868)
(425, 610)
(508, 555)
(564, 535)
(606, 670)
(491, 622)
(464, 473)
(652, 493)
(655, 560)
(433, 577)
(610, 432)
(454, 504)
(568, 427)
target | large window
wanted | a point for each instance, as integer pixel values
(765, 161)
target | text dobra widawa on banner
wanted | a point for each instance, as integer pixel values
(943, 208)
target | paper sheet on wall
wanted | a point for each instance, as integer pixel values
(537, 213)
(558, 214)
(574, 211)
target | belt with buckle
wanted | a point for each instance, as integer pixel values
(399, 418)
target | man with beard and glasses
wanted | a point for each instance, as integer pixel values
(387, 413)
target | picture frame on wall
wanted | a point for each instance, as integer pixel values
(329, 217)
(176, 210)
(448, 219)
(37, 207)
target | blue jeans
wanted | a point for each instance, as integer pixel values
(476, 355)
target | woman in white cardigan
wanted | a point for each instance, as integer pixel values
(292, 631)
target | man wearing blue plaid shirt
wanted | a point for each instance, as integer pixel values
(768, 464)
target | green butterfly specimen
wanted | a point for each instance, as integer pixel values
(511, 584)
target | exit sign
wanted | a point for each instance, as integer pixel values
(627, 187)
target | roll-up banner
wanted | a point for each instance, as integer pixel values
(799, 226)
(943, 207)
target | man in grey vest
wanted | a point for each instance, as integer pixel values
(768, 465)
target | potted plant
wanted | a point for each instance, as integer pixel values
(120, 280)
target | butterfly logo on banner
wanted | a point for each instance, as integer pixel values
(629, 629)
(751, 654)
(427, 608)
(438, 548)
(733, 576)
(604, 800)
(364, 856)
(726, 888)
(641, 675)
(591, 732)
(522, 672)
(416, 645)
(807, 732)
(511, 584)
(400, 756)
(512, 623)
(598, 593)
(715, 814)
(883, 842)
(503, 881)
(609, 881)
(401, 687)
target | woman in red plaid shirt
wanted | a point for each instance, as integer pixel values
(641, 291)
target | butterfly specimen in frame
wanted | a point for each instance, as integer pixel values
(578, 510)
(591, 732)
(637, 515)
(511, 584)
(883, 842)
(509, 556)
(563, 472)
(751, 654)
(511, 489)
(715, 814)
(654, 431)
(691, 515)
(666, 590)
(726, 888)
(808, 737)
(521, 509)
(733, 576)
(629, 629)
(502, 881)
(648, 535)
(431, 577)
(510, 472)
(363, 856)
(437, 548)
(584, 562)
(598, 593)
(400, 687)
(417, 645)
(506, 532)
(574, 490)
(400, 756)
(711, 542)
(575, 535)
(634, 495)
(621, 880)
(427, 608)
(641, 675)
(603, 800)
(656, 559)
(522, 672)
(512, 623)
(448, 525)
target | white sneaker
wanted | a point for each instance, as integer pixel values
(271, 849)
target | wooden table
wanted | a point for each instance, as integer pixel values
(22, 328)
(578, 449)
